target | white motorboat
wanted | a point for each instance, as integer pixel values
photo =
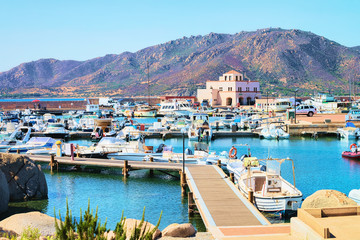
(271, 192)
(20, 136)
(103, 128)
(200, 129)
(355, 195)
(173, 107)
(56, 130)
(157, 127)
(350, 131)
(7, 129)
(87, 122)
(104, 147)
(129, 133)
(228, 119)
(273, 132)
(190, 158)
(34, 143)
(144, 111)
(135, 151)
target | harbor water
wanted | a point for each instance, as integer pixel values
(318, 165)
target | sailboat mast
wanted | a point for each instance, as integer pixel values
(148, 78)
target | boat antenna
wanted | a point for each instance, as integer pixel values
(148, 74)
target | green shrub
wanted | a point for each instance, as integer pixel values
(89, 227)
(30, 234)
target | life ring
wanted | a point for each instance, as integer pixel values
(352, 145)
(233, 152)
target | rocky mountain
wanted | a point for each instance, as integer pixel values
(280, 59)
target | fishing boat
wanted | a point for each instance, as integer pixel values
(271, 192)
(354, 152)
(349, 131)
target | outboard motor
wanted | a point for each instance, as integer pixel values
(160, 148)
(188, 151)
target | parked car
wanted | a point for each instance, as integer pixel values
(308, 110)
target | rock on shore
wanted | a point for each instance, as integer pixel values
(327, 198)
(18, 222)
(25, 179)
(4, 193)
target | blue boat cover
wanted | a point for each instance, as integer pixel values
(350, 124)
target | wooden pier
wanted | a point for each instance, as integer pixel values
(226, 213)
(106, 163)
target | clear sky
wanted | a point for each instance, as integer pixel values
(85, 29)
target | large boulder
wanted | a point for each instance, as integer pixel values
(4, 193)
(179, 230)
(130, 224)
(327, 198)
(25, 179)
(18, 222)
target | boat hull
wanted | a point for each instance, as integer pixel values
(132, 156)
(284, 204)
(353, 155)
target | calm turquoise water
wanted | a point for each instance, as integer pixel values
(318, 165)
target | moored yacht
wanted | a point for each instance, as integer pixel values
(271, 192)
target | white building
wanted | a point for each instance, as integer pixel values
(231, 90)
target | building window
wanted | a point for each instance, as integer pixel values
(225, 78)
(247, 89)
(215, 100)
(236, 78)
(240, 78)
(220, 88)
(229, 78)
(255, 89)
(229, 89)
(239, 89)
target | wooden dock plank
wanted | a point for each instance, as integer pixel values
(217, 201)
(108, 163)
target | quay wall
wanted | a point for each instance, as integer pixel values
(299, 129)
(50, 105)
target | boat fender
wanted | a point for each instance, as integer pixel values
(233, 152)
(351, 147)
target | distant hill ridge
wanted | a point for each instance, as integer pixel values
(280, 59)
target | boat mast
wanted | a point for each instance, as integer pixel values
(147, 65)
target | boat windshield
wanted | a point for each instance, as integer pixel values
(273, 167)
(55, 126)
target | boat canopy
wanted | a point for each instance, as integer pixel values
(110, 140)
(41, 140)
(350, 124)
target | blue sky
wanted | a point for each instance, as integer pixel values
(85, 29)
